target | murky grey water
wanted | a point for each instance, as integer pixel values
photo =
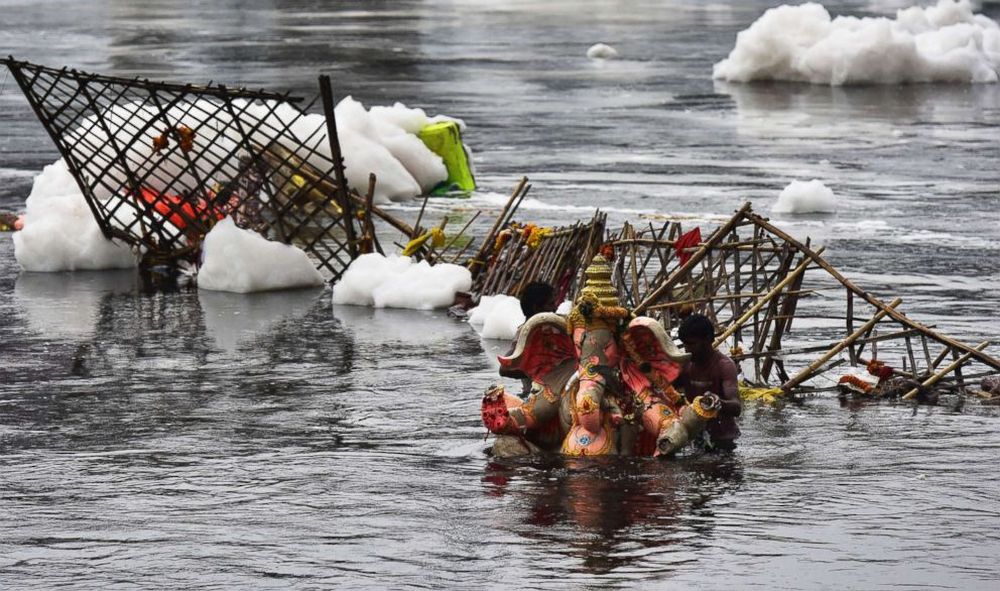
(206, 440)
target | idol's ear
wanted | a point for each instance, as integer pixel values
(542, 344)
(649, 349)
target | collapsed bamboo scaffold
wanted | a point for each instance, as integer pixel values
(159, 163)
(756, 282)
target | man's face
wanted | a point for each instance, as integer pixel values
(699, 348)
(551, 305)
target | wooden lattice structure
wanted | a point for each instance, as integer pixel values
(527, 253)
(514, 254)
(160, 163)
(754, 281)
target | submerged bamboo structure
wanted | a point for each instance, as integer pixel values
(523, 253)
(753, 280)
(159, 163)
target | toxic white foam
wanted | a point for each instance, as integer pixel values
(497, 317)
(805, 197)
(242, 261)
(60, 233)
(394, 129)
(941, 43)
(382, 141)
(399, 282)
(602, 51)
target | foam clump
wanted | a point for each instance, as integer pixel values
(805, 197)
(941, 43)
(396, 281)
(497, 317)
(241, 261)
(602, 51)
(60, 233)
(382, 141)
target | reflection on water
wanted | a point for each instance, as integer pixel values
(235, 319)
(609, 516)
(937, 103)
(66, 305)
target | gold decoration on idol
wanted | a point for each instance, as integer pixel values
(598, 300)
(598, 283)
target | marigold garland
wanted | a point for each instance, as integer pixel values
(857, 383)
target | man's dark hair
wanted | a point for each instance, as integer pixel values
(696, 326)
(535, 296)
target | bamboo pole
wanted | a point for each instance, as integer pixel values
(764, 300)
(940, 357)
(420, 216)
(513, 209)
(457, 236)
(823, 347)
(948, 369)
(927, 352)
(458, 256)
(734, 296)
(737, 302)
(850, 325)
(911, 356)
(782, 324)
(772, 307)
(808, 372)
(633, 267)
(338, 164)
(895, 314)
(370, 243)
(477, 263)
(588, 250)
(696, 258)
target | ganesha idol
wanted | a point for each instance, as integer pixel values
(601, 383)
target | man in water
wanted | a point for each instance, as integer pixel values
(710, 371)
(537, 297)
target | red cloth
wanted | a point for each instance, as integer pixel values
(692, 238)
(179, 210)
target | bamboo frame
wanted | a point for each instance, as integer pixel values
(734, 281)
(175, 158)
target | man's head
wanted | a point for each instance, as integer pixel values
(537, 296)
(697, 334)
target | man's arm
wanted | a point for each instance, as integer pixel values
(730, 395)
(683, 380)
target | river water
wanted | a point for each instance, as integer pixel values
(272, 441)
